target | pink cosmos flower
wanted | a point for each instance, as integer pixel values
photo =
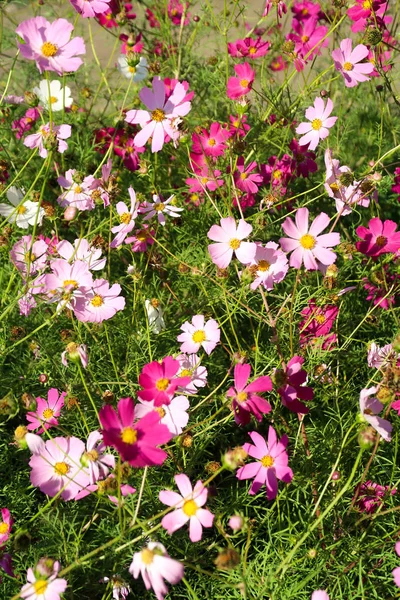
(176, 10)
(211, 143)
(396, 571)
(160, 207)
(305, 10)
(5, 526)
(190, 367)
(43, 136)
(155, 565)
(290, 383)
(47, 411)
(320, 123)
(246, 401)
(24, 249)
(269, 266)
(371, 495)
(68, 281)
(238, 125)
(127, 219)
(348, 62)
(160, 381)
(319, 595)
(77, 353)
(57, 467)
(308, 38)
(271, 465)
(157, 122)
(188, 507)
(100, 303)
(141, 239)
(204, 179)
(243, 177)
(106, 485)
(94, 458)
(346, 197)
(305, 160)
(241, 85)
(278, 4)
(229, 238)
(318, 321)
(173, 415)
(379, 238)
(305, 243)
(278, 172)
(381, 357)
(253, 48)
(90, 8)
(6, 565)
(136, 442)
(82, 250)
(78, 191)
(364, 10)
(199, 334)
(278, 64)
(40, 587)
(369, 408)
(50, 45)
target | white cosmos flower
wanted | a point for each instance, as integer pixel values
(23, 214)
(160, 207)
(137, 72)
(155, 316)
(58, 96)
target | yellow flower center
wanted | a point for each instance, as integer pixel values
(142, 236)
(92, 455)
(48, 413)
(185, 373)
(367, 4)
(241, 397)
(158, 115)
(159, 207)
(348, 66)
(304, 39)
(199, 336)
(190, 508)
(277, 174)
(211, 142)
(307, 241)
(29, 257)
(320, 319)
(252, 50)
(160, 411)
(20, 432)
(70, 282)
(129, 149)
(267, 461)
(204, 180)
(244, 83)
(316, 124)
(53, 99)
(40, 586)
(129, 435)
(61, 468)
(78, 189)
(3, 528)
(147, 556)
(125, 218)
(234, 243)
(162, 384)
(263, 265)
(21, 210)
(133, 70)
(194, 198)
(49, 49)
(381, 241)
(243, 176)
(97, 301)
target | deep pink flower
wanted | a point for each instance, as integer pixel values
(244, 178)
(305, 10)
(212, 143)
(188, 507)
(47, 411)
(154, 564)
(278, 172)
(241, 85)
(141, 239)
(278, 64)
(348, 62)
(364, 10)
(204, 179)
(160, 381)
(199, 334)
(271, 465)
(99, 303)
(319, 123)
(176, 10)
(25, 123)
(307, 37)
(50, 45)
(269, 266)
(41, 138)
(371, 495)
(379, 238)
(305, 159)
(396, 182)
(253, 48)
(238, 126)
(246, 401)
(290, 383)
(229, 240)
(278, 4)
(396, 571)
(306, 244)
(318, 321)
(379, 293)
(91, 8)
(136, 442)
(369, 408)
(5, 526)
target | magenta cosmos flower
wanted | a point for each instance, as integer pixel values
(160, 381)
(246, 401)
(5, 525)
(39, 139)
(320, 123)
(269, 266)
(230, 240)
(290, 383)
(211, 143)
(136, 442)
(47, 411)
(50, 45)
(157, 122)
(271, 465)
(253, 48)
(57, 467)
(378, 238)
(198, 334)
(245, 179)
(40, 587)
(154, 565)
(91, 8)
(369, 409)
(396, 571)
(348, 62)
(241, 85)
(188, 507)
(305, 243)
(100, 303)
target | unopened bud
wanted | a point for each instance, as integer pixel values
(31, 99)
(234, 458)
(312, 553)
(335, 476)
(366, 438)
(288, 46)
(70, 213)
(236, 522)
(373, 37)
(324, 93)
(186, 440)
(43, 378)
(212, 466)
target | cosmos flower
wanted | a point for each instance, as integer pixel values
(319, 123)
(51, 93)
(348, 62)
(369, 409)
(245, 398)
(160, 381)
(199, 333)
(47, 411)
(160, 207)
(21, 213)
(154, 565)
(241, 85)
(229, 238)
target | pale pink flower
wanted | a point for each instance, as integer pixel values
(348, 62)
(190, 367)
(269, 266)
(188, 507)
(77, 353)
(82, 250)
(47, 411)
(160, 207)
(90, 8)
(39, 139)
(154, 565)
(25, 253)
(157, 122)
(306, 244)
(67, 282)
(319, 595)
(319, 123)
(230, 240)
(100, 303)
(198, 334)
(381, 357)
(369, 409)
(346, 197)
(173, 415)
(50, 45)
(41, 587)
(127, 219)
(78, 192)
(396, 571)
(95, 460)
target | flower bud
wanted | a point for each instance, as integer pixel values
(335, 476)
(312, 553)
(70, 213)
(43, 378)
(212, 466)
(366, 438)
(234, 458)
(373, 37)
(45, 567)
(324, 93)
(31, 99)
(19, 436)
(236, 522)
